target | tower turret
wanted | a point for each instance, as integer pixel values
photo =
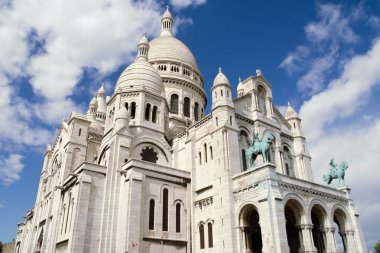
(292, 117)
(221, 91)
(166, 22)
(91, 113)
(301, 153)
(102, 106)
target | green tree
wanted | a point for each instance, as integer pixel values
(377, 247)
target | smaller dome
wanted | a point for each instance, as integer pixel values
(167, 14)
(221, 78)
(240, 85)
(290, 112)
(141, 74)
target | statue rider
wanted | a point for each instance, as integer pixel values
(333, 166)
(256, 138)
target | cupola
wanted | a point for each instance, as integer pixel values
(140, 75)
(221, 91)
(166, 23)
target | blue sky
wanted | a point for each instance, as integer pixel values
(322, 56)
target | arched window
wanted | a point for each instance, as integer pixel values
(133, 110)
(261, 96)
(200, 157)
(221, 93)
(210, 238)
(80, 132)
(154, 114)
(205, 151)
(231, 120)
(178, 218)
(174, 104)
(244, 159)
(202, 236)
(126, 106)
(216, 121)
(165, 210)
(287, 158)
(211, 154)
(147, 112)
(196, 111)
(186, 107)
(151, 214)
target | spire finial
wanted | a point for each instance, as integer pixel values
(258, 72)
(239, 79)
(167, 7)
(220, 70)
(288, 104)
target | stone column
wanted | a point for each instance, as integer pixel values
(350, 241)
(254, 105)
(268, 105)
(330, 240)
(308, 238)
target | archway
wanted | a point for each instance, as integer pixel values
(340, 221)
(318, 218)
(251, 230)
(293, 216)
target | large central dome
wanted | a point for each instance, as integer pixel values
(167, 47)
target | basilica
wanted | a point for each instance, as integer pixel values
(146, 169)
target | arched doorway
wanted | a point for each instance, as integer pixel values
(251, 230)
(293, 216)
(340, 221)
(318, 218)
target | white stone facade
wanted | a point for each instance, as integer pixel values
(148, 171)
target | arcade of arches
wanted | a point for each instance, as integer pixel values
(306, 232)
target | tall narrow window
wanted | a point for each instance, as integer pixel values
(221, 93)
(244, 159)
(231, 120)
(196, 111)
(211, 154)
(178, 218)
(216, 121)
(165, 210)
(154, 114)
(126, 106)
(133, 110)
(210, 239)
(147, 112)
(261, 100)
(80, 132)
(186, 107)
(174, 104)
(205, 151)
(200, 158)
(202, 236)
(151, 214)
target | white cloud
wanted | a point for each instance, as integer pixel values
(333, 25)
(333, 129)
(50, 43)
(10, 169)
(180, 4)
(327, 34)
(294, 62)
(344, 95)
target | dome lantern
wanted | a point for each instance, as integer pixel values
(143, 48)
(166, 23)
